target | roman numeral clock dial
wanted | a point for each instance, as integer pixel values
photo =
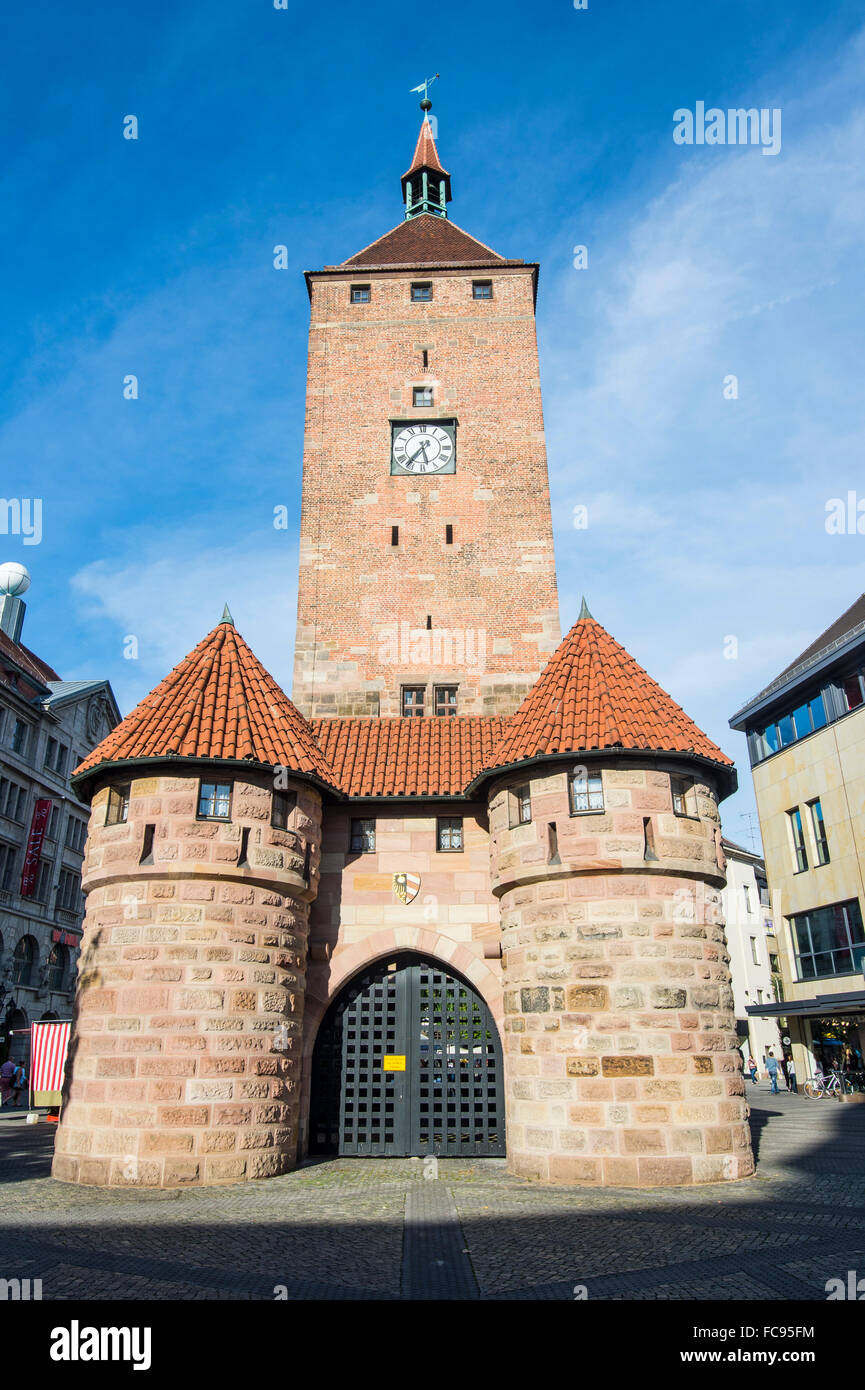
(423, 448)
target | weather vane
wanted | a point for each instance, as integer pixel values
(424, 87)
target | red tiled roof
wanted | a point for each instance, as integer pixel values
(425, 155)
(408, 757)
(219, 702)
(27, 660)
(593, 695)
(425, 240)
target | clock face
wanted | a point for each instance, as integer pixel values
(422, 449)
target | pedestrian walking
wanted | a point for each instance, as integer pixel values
(791, 1076)
(772, 1069)
(19, 1084)
(752, 1069)
(7, 1071)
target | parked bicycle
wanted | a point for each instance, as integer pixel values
(836, 1084)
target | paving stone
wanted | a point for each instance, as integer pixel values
(354, 1229)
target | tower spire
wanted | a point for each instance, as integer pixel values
(426, 184)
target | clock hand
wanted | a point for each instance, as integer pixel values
(424, 445)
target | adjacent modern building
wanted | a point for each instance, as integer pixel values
(806, 741)
(47, 726)
(754, 963)
(462, 893)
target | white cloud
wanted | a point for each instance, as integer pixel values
(172, 593)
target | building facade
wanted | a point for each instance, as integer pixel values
(47, 726)
(754, 961)
(806, 741)
(462, 894)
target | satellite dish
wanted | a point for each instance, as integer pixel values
(14, 579)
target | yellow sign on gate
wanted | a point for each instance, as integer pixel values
(393, 1063)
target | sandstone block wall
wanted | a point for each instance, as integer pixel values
(191, 962)
(620, 1044)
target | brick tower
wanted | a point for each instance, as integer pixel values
(426, 548)
(199, 870)
(621, 1058)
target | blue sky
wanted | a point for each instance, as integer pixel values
(260, 126)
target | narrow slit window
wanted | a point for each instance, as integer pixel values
(147, 845)
(394, 535)
(449, 534)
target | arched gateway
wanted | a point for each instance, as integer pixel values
(407, 1062)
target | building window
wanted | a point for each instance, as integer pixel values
(412, 700)
(828, 941)
(421, 291)
(683, 797)
(214, 801)
(820, 839)
(747, 892)
(281, 807)
(520, 805)
(118, 804)
(7, 865)
(24, 962)
(362, 837)
(42, 891)
(449, 833)
(58, 965)
(798, 837)
(586, 792)
(755, 958)
(50, 752)
(53, 823)
(787, 728)
(76, 834)
(482, 289)
(360, 294)
(449, 534)
(853, 690)
(69, 891)
(12, 800)
(446, 699)
(20, 737)
(394, 535)
(422, 395)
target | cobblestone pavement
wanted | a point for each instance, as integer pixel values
(376, 1228)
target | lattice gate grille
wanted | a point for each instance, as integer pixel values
(450, 1097)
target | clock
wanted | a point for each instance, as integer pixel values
(423, 446)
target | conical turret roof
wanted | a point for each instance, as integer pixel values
(426, 156)
(592, 696)
(218, 704)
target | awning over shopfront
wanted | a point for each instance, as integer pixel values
(835, 1004)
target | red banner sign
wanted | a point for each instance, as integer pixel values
(38, 826)
(66, 938)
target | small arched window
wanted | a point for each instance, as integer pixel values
(24, 961)
(58, 966)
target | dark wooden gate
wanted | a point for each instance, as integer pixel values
(407, 1062)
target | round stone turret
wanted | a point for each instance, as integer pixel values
(185, 1060)
(621, 1062)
